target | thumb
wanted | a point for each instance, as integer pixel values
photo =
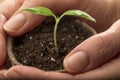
(94, 51)
(22, 21)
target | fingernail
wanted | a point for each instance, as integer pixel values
(12, 75)
(15, 23)
(76, 62)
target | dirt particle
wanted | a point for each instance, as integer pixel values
(31, 37)
(52, 59)
(76, 37)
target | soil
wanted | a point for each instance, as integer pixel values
(36, 48)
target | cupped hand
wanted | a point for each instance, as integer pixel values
(97, 57)
(101, 62)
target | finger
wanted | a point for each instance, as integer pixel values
(2, 21)
(25, 21)
(8, 7)
(1, 74)
(108, 71)
(2, 41)
(24, 72)
(94, 51)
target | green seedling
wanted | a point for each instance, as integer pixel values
(47, 12)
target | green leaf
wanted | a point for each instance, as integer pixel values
(80, 14)
(40, 10)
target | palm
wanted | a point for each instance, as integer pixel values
(104, 12)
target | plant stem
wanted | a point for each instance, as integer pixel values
(57, 19)
(55, 35)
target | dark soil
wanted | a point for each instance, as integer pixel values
(36, 48)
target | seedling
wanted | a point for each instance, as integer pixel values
(47, 12)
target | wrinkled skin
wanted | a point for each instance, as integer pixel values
(96, 58)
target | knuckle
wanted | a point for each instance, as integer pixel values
(104, 49)
(18, 2)
(105, 43)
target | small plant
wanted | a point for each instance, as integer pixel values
(47, 12)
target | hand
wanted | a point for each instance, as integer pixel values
(101, 10)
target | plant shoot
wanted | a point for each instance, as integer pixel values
(47, 12)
